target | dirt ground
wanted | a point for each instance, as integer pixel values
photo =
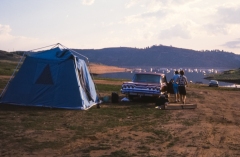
(212, 129)
(101, 69)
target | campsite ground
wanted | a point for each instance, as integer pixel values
(126, 129)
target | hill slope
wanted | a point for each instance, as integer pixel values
(161, 56)
(164, 56)
(14, 56)
(232, 76)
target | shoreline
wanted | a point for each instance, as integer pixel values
(97, 69)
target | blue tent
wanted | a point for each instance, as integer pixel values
(55, 78)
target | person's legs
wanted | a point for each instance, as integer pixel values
(184, 99)
(182, 92)
(175, 89)
(169, 94)
(180, 97)
(184, 95)
(175, 97)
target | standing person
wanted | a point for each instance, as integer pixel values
(175, 86)
(182, 83)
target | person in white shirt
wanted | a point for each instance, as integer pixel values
(182, 83)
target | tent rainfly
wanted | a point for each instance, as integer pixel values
(55, 78)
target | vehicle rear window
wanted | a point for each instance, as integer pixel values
(146, 78)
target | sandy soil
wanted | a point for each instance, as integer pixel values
(4, 77)
(100, 69)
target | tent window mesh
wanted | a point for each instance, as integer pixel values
(45, 77)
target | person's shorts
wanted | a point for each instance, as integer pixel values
(182, 90)
(175, 88)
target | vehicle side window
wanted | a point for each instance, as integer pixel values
(134, 78)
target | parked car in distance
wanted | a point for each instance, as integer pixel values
(145, 84)
(213, 83)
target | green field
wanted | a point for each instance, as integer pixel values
(232, 76)
(7, 67)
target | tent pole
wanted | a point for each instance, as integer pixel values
(42, 47)
(20, 61)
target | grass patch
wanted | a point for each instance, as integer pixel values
(232, 76)
(205, 147)
(120, 153)
(108, 88)
(99, 147)
(188, 122)
(114, 128)
(7, 68)
(42, 145)
(110, 79)
(16, 120)
(143, 149)
(195, 95)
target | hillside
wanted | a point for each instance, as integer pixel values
(9, 61)
(232, 76)
(9, 56)
(163, 56)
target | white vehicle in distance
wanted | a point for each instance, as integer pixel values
(213, 83)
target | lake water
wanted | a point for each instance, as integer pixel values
(193, 75)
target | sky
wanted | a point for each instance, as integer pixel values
(95, 24)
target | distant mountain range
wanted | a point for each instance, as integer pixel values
(162, 56)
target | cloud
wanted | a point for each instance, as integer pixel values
(131, 3)
(140, 17)
(232, 44)
(222, 19)
(4, 29)
(174, 32)
(216, 28)
(160, 13)
(11, 42)
(229, 15)
(87, 2)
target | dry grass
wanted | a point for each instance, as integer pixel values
(126, 128)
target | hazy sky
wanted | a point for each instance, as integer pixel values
(192, 24)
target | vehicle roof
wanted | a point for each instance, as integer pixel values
(151, 73)
(213, 81)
